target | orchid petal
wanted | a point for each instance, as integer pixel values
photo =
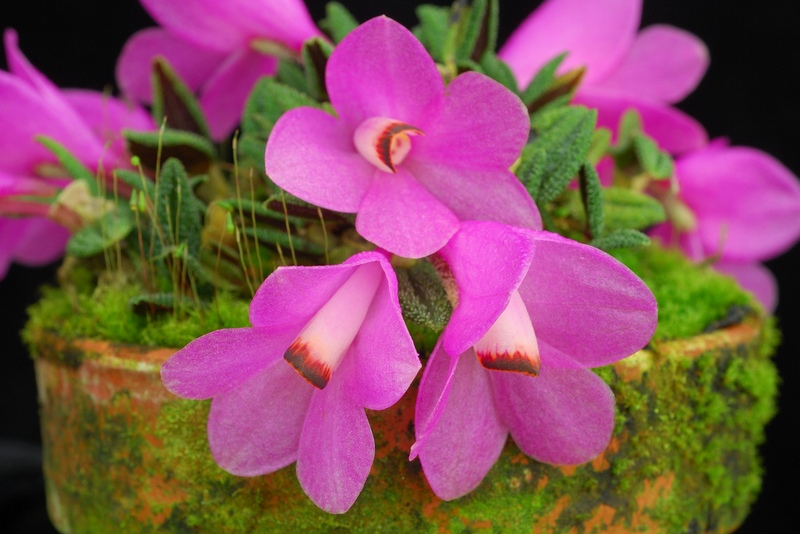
(562, 416)
(41, 242)
(674, 131)
(12, 232)
(311, 155)
(225, 93)
(381, 70)
(401, 216)
(479, 123)
(228, 25)
(255, 428)
(488, 261)
(434, 390)
(194, 64)
(585, 303)
(336, 448)
(19, 66)
(755, 278)
(107, 117)
(25, 115)
(595, 34)
(468, 438)
(664, 64)
(743, 198)
(385, 360)
(465, 191)
(222, 360)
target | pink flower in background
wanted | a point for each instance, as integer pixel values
(526, 373)
(326, 343)
(743, 204)
(410, 156)
(648, 70)
(215, 48)
(87, 123)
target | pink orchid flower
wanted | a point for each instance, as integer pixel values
(736, 202)
(219, 48)
(410, 156)
(514, 358)
(87, 123)
(326, 343)
(647, 70)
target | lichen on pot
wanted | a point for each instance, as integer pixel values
(122, 452)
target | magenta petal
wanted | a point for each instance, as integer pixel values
(19, 66)
(401, 216)
(745, 193)
(596, 35)
(383, 353)
(381, 70)
(479, 123)
(674, 131)
(585, 303)
(754, 278)
(107, 117)
(221, 360)
(434, 390)
(42, 242)
(664, 64)
(255, 428)
(489, 261)
(224, 95)
(12, 232)
(464, 191)
(468, 437)
(194, 64)
(311, 155)
(25, 114)
(562, 416)
(336, 448)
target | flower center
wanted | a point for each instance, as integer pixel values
(323, 342)
(510, 344)
(384, 142)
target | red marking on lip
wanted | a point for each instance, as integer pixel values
(299, 356)
(517, 362)
(383, 146)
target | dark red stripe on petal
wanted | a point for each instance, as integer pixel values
(299, 355)
(384, 145)
(517, 362)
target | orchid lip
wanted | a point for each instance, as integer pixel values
(510, 344)
(384, 142)
(319, 348)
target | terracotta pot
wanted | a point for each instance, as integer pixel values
(123, 454)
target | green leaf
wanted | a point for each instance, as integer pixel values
(291, 74)
(498, 70)
(422, 296)
(542, 80)
(338, 21)
(178, 213)
(531, 168)
(625, 209)
(71, 164)
(175, 101)
(621, 239)
(315, 57)
(196, 152)
(251, 150)
(630, 125)
(433, 29)
(601, 141)
(104, 233)
(592, 197)
(564, 135)
(136, 181)
(275, 236)
(477, 28)
(657, 163)
(267, 102)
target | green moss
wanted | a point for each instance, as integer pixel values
(690, 297)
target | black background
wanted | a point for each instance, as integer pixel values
(749, 95)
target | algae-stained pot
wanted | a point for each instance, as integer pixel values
(123, 454)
